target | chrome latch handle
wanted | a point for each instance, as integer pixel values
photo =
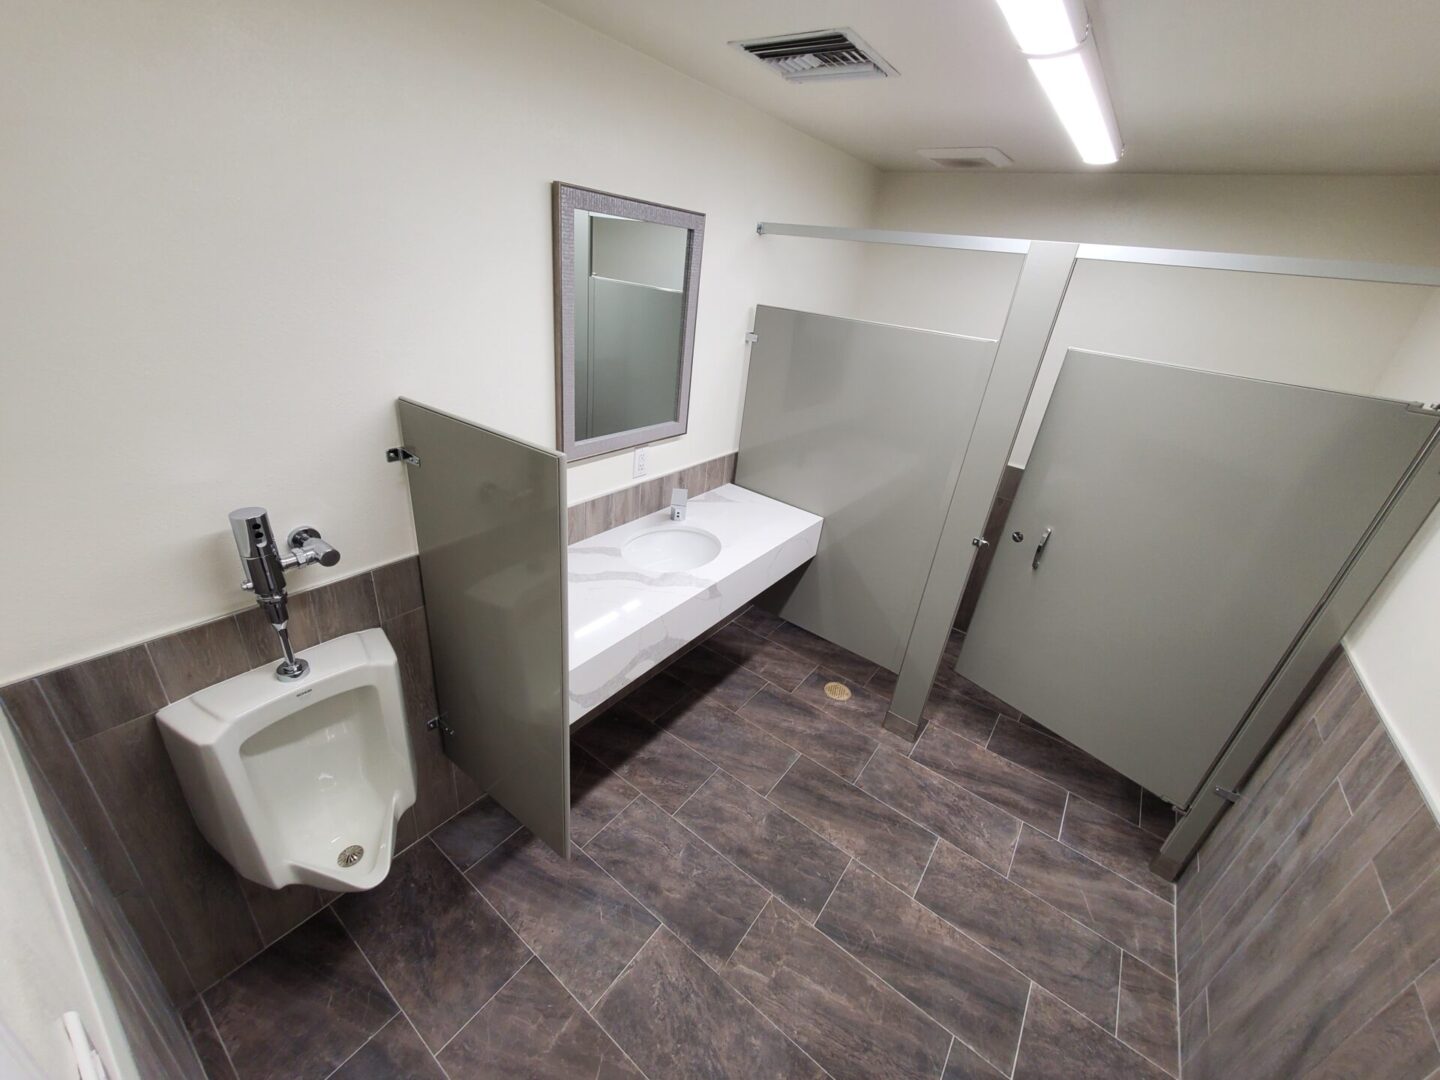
(1039, 551)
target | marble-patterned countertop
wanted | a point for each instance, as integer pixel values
(624, 621)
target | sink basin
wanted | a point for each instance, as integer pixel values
(670, 548)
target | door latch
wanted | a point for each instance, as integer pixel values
(1039, 551)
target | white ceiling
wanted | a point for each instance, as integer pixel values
(1298, 86)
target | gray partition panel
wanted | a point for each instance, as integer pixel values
(1195, 521)
(866, 425)
(490, 520)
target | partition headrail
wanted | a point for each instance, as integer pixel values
(1291, 266)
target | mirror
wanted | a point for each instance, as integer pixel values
(627, 275)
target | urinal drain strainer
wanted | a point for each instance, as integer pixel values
(351, 855)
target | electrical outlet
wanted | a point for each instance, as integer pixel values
(642, 461)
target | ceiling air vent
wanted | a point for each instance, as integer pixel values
(972, 158)
(818, 55)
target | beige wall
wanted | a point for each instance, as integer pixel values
(1377, 218)
(1363, 338)
(234, 233)
(1396, 641)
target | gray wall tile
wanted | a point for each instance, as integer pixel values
(95, 695)
(1315, 903)
(590, 518)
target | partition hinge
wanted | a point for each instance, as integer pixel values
(402, 454)
(1228, 795)
(751, 337)
(439, 722)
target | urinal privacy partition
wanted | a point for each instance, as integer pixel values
(490, 521)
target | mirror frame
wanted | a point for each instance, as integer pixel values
(568, 199)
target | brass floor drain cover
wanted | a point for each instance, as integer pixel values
(837, 691)
(351, 855)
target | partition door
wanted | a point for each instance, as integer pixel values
(490, 520)
(1174, 531)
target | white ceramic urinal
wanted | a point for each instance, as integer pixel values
(300, 783)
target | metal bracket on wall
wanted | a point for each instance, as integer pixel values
(436, 722)
(402, 454)
(751, 337)
(1228, 795)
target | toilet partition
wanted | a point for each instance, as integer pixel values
(1030, 332)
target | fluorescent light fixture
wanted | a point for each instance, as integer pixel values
(1042, 26)
(1065, 62)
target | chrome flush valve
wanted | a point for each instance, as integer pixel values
(265, 565)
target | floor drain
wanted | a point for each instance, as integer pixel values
(351, 855)
(837, 691)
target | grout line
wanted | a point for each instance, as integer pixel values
(1064, 809)
(1123, 1042)
(731, 955)
(740, 993)
(868, 760)
(629, 803)
(1024, 1019)
(1015, 850)
(433, 1057)
(1097, 1027)
(224, 1049)
(1119, 991)
(885, 982)
(496, 993)
(400, 1009)
(675, 814)
(948, 1051)
(1064, 914)
(926, 869)
(833, 890)
(368, 1040)
(798, 756)
(1434, 1033)
(769, 892)
(591, 1016)
(659, 926)
(994, 727)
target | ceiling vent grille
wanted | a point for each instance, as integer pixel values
(972, 158)
(818, 55)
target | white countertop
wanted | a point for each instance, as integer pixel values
(624, 621)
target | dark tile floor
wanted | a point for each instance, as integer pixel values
(765, 884)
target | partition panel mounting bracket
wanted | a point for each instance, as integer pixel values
(402, 454)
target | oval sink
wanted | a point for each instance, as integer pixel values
(671, 548)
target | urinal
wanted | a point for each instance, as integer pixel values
(300, 783)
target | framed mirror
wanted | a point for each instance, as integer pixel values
(627, 278)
